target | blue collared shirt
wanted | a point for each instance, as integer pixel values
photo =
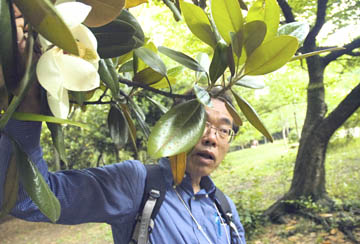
(113, 194)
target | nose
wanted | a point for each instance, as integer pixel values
(209, 138)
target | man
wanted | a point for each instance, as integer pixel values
(113, 193)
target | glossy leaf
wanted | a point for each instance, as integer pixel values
(237, 40)
(151, 59)
(234, 114)
(300, 30)
(252, 116)
(271, 56)
(306, 55)
(106, 77)
(35, 186)
(231, 61)
(11, 188)
(130, 124)
(250, 82)
(227, 17)
(164, 83)
(118, 128)
(243, 5)
(219, 62)
(267, 11)
(198, 23)
(78, 97)
(202, 95)
(103, 11)
(45, 118)
(44, 18)
(178, 167)
(204, 61)
(111, 67)
(148, 76)
(182, 58)
(57, 136)
(120, 36)
(7, 50)
(175, 71)
(158, 104)
(178, 130)
(254, 34)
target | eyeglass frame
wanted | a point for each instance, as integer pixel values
(209, 125)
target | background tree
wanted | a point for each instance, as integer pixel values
(309, 172)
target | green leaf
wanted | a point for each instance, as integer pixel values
(126, 67)
(3, 92)
(306, 55)
(118, 127)
(198, 23)
(11, 188)
(202, 95)
(44, 18)
(7, 49)
(111, 67)
(103, 11)
(227, 17)
(300, 30)
(119, 37)
(130, 123)
(151, 59)
(250, 82)
(219, 62)
(79, 97)
(254, 34)
(271, 55)
(57, 136)
(107, 78)
(182, 58)
(234, 114)
(35, 186)
(252, 116)
(39, 117)
(175, 71)
(237, 40)
(267, 11)
(178, 130)
(148, 76)
(158, 104)
(140, 117)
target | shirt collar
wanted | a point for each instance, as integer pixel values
(206, 183)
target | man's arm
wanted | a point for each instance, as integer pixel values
(107, 194)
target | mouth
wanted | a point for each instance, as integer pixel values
(206, 155)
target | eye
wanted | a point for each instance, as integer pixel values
(225, 131)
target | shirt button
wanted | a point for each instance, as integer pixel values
(206, 195)
(193, 198)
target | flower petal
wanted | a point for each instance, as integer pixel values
(59, 107)
(85, 36)
(48, 72)
(78, 74)
(73, 13)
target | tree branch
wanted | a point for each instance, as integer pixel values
(287, 11)
(149, 88)
(348, 50)
(341, 113)
(310, 42)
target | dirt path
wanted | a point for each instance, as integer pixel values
(17, 231)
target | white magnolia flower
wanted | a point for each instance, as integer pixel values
(58, 71)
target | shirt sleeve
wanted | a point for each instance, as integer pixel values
(110, 194)
(239, 237)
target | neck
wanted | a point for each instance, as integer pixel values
(195, 182)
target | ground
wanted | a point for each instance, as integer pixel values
(16, 231)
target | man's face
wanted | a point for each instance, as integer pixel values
(211, 149)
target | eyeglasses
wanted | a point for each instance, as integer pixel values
(225, 133)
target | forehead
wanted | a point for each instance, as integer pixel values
(218, 112)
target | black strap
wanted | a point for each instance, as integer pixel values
(154, 181)
(224, 207)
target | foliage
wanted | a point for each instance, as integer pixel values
(127, 68)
